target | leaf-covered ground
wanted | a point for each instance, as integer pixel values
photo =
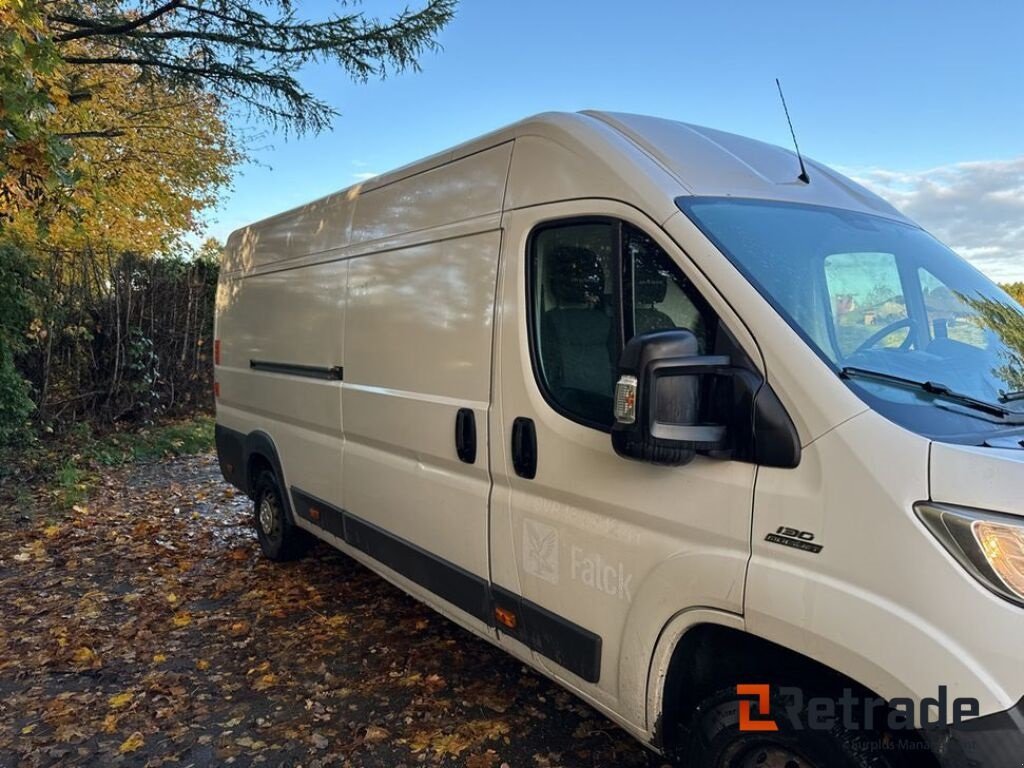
(143, 628)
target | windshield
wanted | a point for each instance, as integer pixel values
(870, 294)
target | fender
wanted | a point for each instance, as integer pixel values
(665, 648)
(652, 611)
(259, 443)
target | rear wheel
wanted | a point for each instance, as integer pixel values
(715, 741)
(279, 538)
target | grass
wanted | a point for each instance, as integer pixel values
(61, 472)
(178, 438)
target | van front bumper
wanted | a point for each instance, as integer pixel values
(992, 741)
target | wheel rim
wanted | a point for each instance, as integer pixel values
(267, 516)
(771, 756)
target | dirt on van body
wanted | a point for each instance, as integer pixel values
(144, 628)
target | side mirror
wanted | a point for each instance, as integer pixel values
(662, 398)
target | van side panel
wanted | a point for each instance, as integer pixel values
(420, 306)
(268, 324)
(459, 191)
(320, 226)
(418, 349)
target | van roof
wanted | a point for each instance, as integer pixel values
(709, 162)
(703, 161)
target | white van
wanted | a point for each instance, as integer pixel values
(733, 456)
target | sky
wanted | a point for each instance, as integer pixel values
(923, 102)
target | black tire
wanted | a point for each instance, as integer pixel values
(715, 741)
(279, 538)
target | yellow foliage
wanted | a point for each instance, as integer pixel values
(120, 700)
(132, 743)
(148, 158)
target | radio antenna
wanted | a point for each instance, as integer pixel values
(803, 170)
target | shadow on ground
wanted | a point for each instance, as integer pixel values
(144, 629)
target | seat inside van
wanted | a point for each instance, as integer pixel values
(578, 335)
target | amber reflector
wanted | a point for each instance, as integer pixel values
(505, 617)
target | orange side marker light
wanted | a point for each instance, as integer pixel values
(505, 617)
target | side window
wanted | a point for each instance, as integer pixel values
(662, 297)
(574, 317)
(594, 283)
(866, 295)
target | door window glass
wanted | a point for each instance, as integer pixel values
(577, 271)
(575, 318)
(662, 296)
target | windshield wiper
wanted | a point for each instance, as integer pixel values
(931, 387)
(1010, 397)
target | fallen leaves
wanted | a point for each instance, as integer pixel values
(86, 657)
(120, 700)
(132, 743)
(265, 682)
(137, 634)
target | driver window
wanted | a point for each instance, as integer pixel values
(575, 332)
(866, 296)
(576, 316)
(662, 297)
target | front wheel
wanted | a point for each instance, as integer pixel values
(279, 538)
(716, 741)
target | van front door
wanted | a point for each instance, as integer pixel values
(592, 554)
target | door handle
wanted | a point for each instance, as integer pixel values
(524, 447)
(465, 435)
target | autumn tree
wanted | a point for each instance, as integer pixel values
(114, 137)
(244, 52)
(149, 157)
(238, 53)
(32, 158)
(1016, 290)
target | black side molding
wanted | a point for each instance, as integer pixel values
(335, 373)
(456, 585)
(567, 644)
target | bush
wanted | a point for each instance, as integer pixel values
(16, 311)
(104, 339)
(130, 340)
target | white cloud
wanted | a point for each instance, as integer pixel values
(977, 208)
(364, 176)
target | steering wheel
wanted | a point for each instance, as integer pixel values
(888, 330)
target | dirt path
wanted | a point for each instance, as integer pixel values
(144, 629)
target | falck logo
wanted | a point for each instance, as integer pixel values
(540, 550)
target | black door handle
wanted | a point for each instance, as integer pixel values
(524, 447)
(465, 435)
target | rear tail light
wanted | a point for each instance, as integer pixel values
(216, 351)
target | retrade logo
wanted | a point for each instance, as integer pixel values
(798, 712)
(762, 694)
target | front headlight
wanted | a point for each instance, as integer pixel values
(990, 545)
